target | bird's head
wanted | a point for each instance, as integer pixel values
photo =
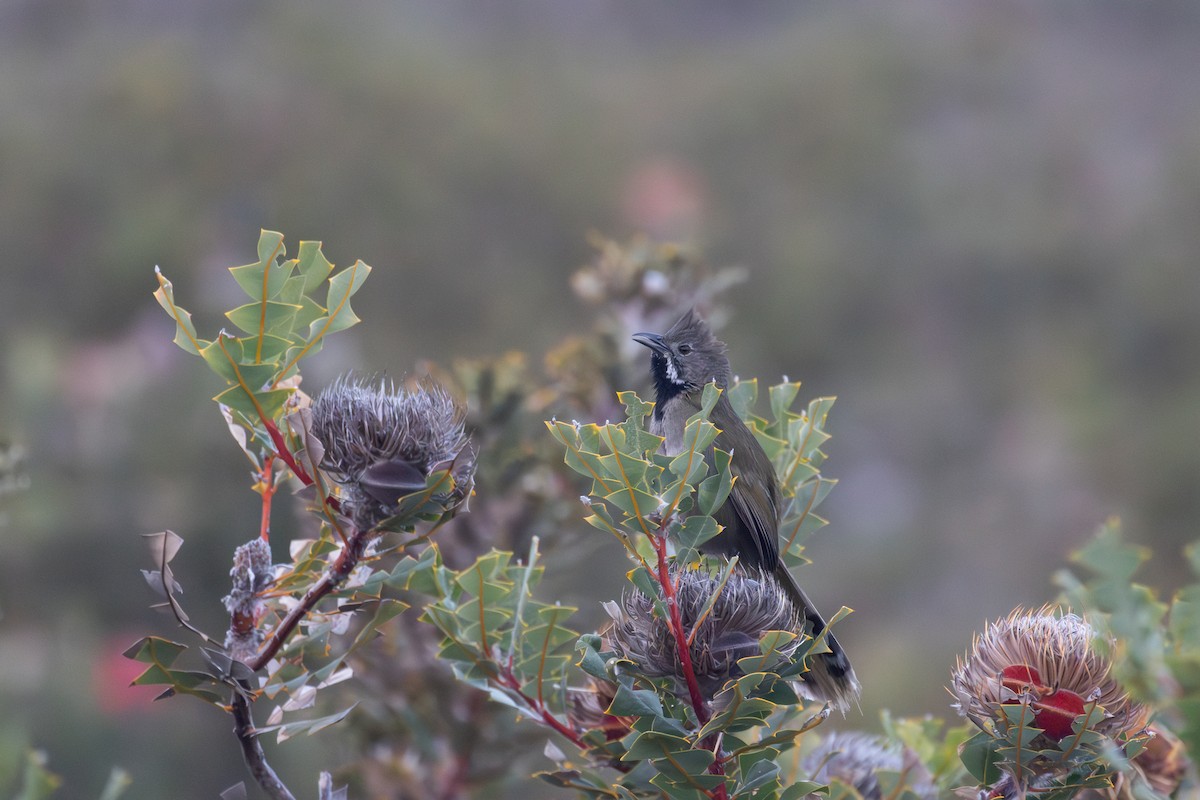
(686, 357)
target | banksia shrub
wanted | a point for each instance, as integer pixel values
(696, 688)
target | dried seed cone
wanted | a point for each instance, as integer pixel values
(250, 576)
(1048, 660)
(750, 603)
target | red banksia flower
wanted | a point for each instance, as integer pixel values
(1047, 662)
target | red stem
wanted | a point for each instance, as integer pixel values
(281, 450)
(699, 704)
(455, 785)
(268, 492)
(509, 680)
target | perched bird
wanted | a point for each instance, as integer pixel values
(682, 361)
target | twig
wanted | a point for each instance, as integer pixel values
(268, 492)
(256, 759)
(455, 785)
(341, 568)
(177, 610)
(283, 452)
(508, 680)
(901, 782)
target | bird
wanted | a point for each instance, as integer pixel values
(682, 361)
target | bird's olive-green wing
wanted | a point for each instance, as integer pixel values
(749, 516)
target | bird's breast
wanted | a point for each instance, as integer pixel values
(670, 425)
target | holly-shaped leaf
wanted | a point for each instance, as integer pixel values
(185, 329)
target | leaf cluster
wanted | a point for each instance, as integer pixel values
(328, 597)
(666, 750)
(497, 636)
(303, 665)
(933, 747)
(792, 440)
(293, 305)
(635, 490)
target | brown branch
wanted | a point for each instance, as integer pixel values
(256, 759)
(244, 728)
(341, 568)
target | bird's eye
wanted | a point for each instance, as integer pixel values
(684, 349)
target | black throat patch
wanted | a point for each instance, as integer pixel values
(664, 387)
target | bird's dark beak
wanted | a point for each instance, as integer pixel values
(652, 340)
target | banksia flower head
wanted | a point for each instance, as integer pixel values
(1047, 662)
(381, 443)
(853, 758)
(749, 604)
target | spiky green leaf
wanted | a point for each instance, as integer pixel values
(185, 330)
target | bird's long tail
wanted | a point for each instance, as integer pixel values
(830, 676)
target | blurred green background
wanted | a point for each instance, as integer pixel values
(974, 222)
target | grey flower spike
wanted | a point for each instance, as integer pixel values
(749, 604)
(854, 758)
(381, 442)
